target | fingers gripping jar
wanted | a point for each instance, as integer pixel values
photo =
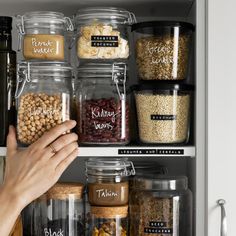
(102, 33)
(44, 35)
(102, 105)
(43, 98)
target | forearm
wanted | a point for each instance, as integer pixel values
(9, 211)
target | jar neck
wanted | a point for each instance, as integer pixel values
(5, 40)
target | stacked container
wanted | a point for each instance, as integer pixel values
(108, 195)
(163, 98)
(103, 50)
(44, 83)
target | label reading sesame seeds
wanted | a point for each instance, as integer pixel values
(104, 41)
(163, 117)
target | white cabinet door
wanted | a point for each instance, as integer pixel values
(221, 113)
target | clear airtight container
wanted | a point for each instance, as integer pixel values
(102, 33)
(60, 211)
(163, 49)
(108, 221)
(163, 112)
(43, 96)
(108, 183)
(43, 35)
(102, 104)
(161, 206)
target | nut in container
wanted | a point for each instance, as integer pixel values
(43, 98)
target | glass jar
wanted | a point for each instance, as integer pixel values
(102, 33)
(108, 181)
(109, 221)
(161, 206)
(163, 49)
(43, 35)
(163, 112)
(102, 104)
(57, 212)
(43, 96)
(146, 168)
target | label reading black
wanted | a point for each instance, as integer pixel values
(163, 117)
(158, 230)
(104, 41)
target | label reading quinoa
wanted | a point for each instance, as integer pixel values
(163, 117)
(104, 41)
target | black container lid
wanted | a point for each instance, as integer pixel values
(156, 86)
(5, 22)
(162, 24)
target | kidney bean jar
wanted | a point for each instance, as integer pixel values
(102, 105)
(43, 98)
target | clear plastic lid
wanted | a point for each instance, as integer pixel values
(104, 14)
(161, 182)
(109, 167)
(43, 19)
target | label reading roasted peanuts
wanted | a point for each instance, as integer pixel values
(104, 41)
(44, 47)
(163, 117)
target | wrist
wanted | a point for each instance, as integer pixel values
(11, 199)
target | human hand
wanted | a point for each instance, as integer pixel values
(32, 171)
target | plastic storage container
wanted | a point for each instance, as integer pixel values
(161, 206)
(102, 104)
(102, 33)
(163, 49)
(109, 221)
(44, 35)
(108, 183)
(58, 212)
(163, 112)
(43, 98)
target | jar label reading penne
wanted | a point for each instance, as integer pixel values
(39, 46)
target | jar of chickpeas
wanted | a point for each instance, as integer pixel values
(43, 96)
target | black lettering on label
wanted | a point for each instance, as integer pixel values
(104, 41)
(163, 117)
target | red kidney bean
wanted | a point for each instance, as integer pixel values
(101, 122)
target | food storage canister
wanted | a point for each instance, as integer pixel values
(163, 112)
(107, 179)
(163, 49)
(59, 211)
(43, 35)
(161, 206)
(102, 104)
(146, 168)
(43, 97)
(103, 33)
(109, 221)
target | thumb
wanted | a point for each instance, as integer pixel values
(11, 141)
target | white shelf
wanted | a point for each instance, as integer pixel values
(134, 151)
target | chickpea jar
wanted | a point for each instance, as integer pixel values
(43, 97)
(44, 35)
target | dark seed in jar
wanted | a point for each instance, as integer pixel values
(102, 121)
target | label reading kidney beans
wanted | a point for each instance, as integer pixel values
(104, 121)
